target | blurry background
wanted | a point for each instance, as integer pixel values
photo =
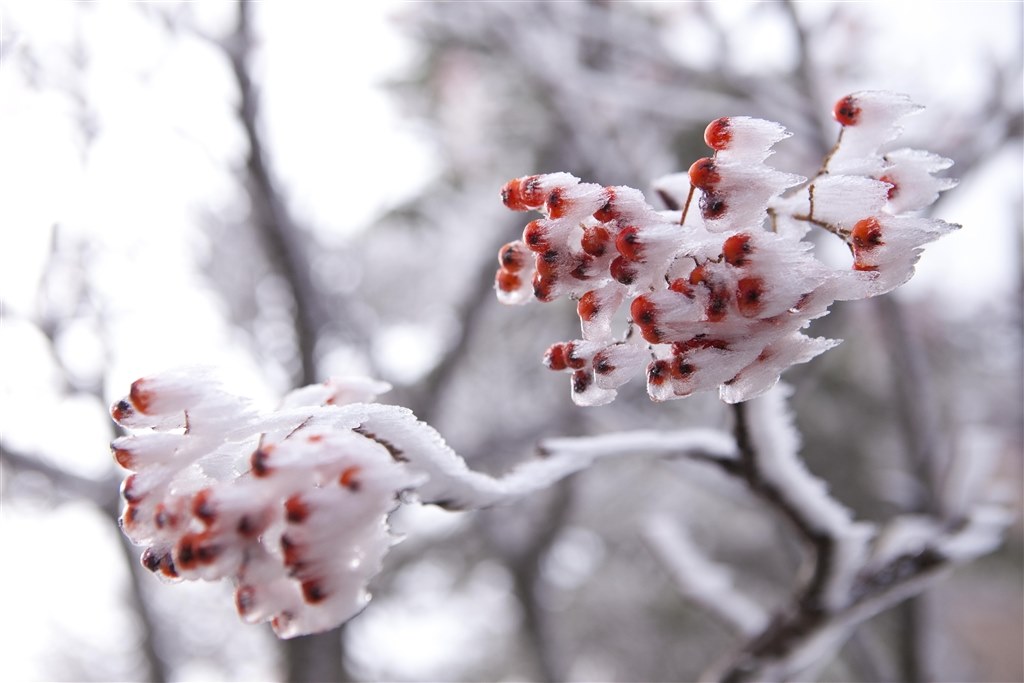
(291, 191)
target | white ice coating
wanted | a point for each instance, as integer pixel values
(291, 504)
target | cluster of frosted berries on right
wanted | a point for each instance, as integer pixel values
(720, 289)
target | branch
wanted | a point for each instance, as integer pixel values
(271, 216)
(847, 584)
(707, 584)
(103, 494)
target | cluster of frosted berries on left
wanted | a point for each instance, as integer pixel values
(292, 504)
(219, 490)
(718, 296)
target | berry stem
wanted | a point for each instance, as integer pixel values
(686, 206)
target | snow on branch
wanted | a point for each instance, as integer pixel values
(858, 570)
(291, 504)
(707, 584)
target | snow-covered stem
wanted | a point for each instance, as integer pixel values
(856, 571)
(706, 583)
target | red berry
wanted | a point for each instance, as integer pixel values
(698, 275)
(582, 269)
(629, 244)
(681, 369)
(595, 240)
(643, 311)
(587, 307)
(866, 234)
(718, 303)
(555, 358)
(203, 507)
(645, 315)
(543, 286)
(712, 206)
(507, 281)
(313, 592)
(846, 111)
(704, 174)
(535, 235)
(658, 372)
(349, 477)
(557, 204)
(512, 195)
(749, 295)
(717, 135)
(547, 263)
(893, 187)
(682, 286)
(581, 381)
(736, 249)
(511, 256)
(296, 510)
(571, 359)
(602, 366)
(622, 271)
(141, 397)
(607, 212)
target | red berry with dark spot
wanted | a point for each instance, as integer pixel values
(629, 244)
(704, 174)
(544, 286)
(121, 410)
(622, 271)
(130, 489)
(313, 591)
(595, 240)
(350, 478)
(587, 307)
(718, 135)
(846, 111)
(658, 372)
(535, 235)
(712, 206)
(582, 269)
(512, 257)
(574, 361)
(547, 263)
(718, 305)
(296, 510)
(519, 194)
(203, 507)
(643, 311)
(555, 358)
(557, 204)
(581, 381)
(736, 249)
(866, 234)
(749, 295)
(602, 365)
(681, 368)
(607, 211)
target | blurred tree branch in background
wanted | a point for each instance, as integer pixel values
(616, 93)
